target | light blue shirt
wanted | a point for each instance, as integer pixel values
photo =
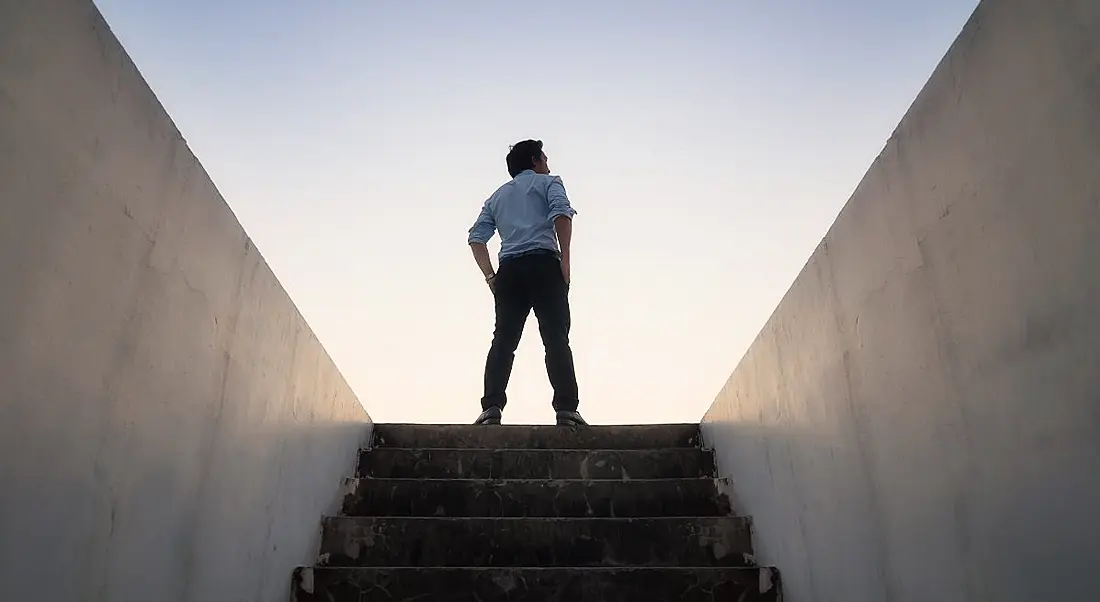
(523, 210)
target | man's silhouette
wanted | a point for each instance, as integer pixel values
(533, 216)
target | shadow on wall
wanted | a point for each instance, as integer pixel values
(841, 520)
(770, 484)
(229, 512)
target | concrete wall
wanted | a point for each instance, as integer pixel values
(170, 428)
(920, 418)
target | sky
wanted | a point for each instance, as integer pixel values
(706, 145)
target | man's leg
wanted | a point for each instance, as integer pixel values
(550, 298)
(512, 307)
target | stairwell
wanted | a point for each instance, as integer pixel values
(535, 514)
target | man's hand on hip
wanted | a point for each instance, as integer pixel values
(481, 256)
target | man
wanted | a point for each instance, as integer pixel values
(533, 215)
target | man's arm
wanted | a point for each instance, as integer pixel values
(562, 212)
(481, 256)
(563, 226)
(480, 233)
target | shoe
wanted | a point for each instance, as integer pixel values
(567, 418)
(490, 417)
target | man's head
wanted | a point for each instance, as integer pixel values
(527, 155)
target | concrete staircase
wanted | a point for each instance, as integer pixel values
(535, 514)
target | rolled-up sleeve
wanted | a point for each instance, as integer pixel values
(484, 227)
(558, 200)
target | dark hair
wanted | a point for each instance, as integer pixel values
(522, 155)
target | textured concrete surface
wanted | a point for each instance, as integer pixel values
(525, 437)
(920, 418)
(482, 522)
(170, 428)
(539, 497)
(538, 585)
(468, 542)
(619, 465)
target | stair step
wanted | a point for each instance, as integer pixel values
(650, 436)
(404, 463)
(542, 542)
(534, 498)
(536, 584)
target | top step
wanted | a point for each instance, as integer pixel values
(649, 436)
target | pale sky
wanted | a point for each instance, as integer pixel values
(706, 145)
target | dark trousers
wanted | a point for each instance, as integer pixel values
(531, 281)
